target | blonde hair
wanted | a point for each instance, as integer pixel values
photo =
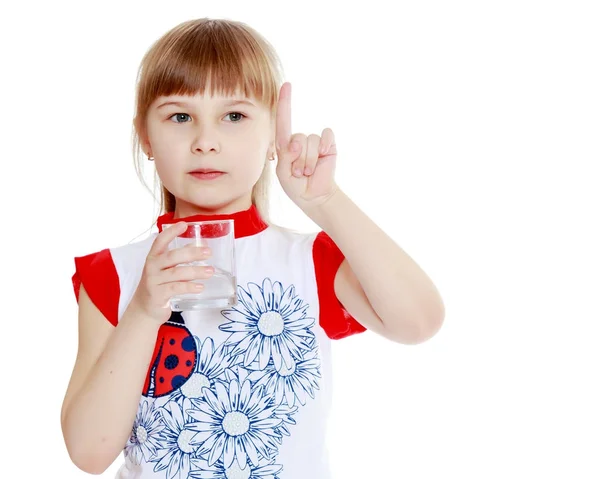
(227, 54)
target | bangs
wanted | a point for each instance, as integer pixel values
(224, 57)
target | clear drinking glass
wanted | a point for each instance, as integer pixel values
(220, 289)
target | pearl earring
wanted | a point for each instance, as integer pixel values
(150, 158)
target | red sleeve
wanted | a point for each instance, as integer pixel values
(99, 277)
(333, 317)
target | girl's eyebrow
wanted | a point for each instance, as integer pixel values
(239, 102)
(187, 105)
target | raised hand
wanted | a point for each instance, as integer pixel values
(305, 164)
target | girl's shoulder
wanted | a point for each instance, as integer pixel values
(109, 275)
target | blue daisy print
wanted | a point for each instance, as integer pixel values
(312, 340)
(202, 470)
(210, 365)
(289, 384)
(143, 441)
(175, 448)
(269, 323)
(234, 422)
(285, 413)
(234, 373)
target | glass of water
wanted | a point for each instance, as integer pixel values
(220, 289)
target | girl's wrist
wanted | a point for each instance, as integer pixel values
(138, 319)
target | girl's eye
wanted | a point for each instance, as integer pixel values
(180, 116)
(234, 115)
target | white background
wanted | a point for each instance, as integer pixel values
(467, 130)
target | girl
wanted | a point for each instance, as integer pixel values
(243, 392)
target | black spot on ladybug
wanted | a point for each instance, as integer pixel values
(188, 363)
(171, 361)
(177, 381)
(162, 380)
(172, 342)
(188, 344)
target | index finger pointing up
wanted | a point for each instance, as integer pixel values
(283, 127)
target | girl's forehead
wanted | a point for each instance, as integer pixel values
(237, 97)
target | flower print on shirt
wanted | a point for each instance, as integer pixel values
(230, 416)
(289, 384)
(145, 434)
(211, 364)
(175, 450)
(202, 470)
(235, 422)
(285, 413)
(269, 323)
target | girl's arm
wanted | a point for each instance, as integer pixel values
(104, 392)
(112, 362)
(378, 283)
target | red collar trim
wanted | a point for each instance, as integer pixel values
(246, 223)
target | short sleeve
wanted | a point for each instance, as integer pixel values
(333, 317)
(100, 279)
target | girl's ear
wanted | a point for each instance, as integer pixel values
(141, 132)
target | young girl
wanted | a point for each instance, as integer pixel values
(243, 392)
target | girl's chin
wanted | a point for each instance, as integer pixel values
(214, 205)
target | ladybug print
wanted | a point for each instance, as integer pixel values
(173, 360)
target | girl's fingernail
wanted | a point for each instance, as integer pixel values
(210, 269)
(198, 286)
(297, 172)
(307, 171)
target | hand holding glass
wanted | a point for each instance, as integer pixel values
(219, 289)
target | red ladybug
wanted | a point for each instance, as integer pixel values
(173, 360)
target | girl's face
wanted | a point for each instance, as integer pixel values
(192, 136)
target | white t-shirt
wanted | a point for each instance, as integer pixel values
(239, 393)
